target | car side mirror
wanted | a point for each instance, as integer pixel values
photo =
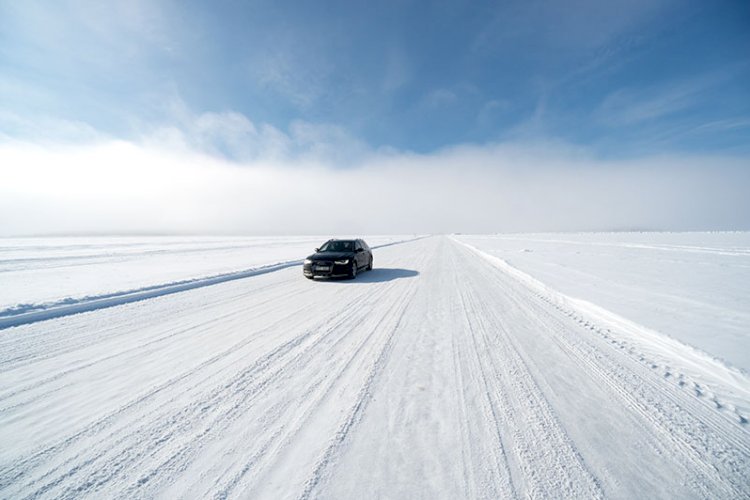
(317, 249)
(360, 250)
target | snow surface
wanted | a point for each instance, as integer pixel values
(693, 287)
(36, 273)
(443, 373)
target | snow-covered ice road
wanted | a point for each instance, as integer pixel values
(436, 375)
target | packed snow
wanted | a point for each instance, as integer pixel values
(454, 369)
(693, 287)
(38, 273)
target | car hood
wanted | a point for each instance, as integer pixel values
(331, 255)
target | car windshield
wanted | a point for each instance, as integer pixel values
(338, 246)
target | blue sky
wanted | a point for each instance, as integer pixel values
(337, 84)
(622, 77)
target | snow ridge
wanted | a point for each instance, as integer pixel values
(24, 314)
(725, 386)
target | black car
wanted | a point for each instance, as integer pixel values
(338, 258)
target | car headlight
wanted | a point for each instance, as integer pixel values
(308, 261)
(341, 262)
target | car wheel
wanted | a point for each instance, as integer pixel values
(353, 270)
(369, 266)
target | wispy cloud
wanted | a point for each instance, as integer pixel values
(724, 125)
(291, 74)
(86, 62)
(489, 110)
(401, 75)
(439, 98)
(629, 107)
(398, 71)
(88, 35)
(575, 26)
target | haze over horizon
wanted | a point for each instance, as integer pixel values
(349, 117)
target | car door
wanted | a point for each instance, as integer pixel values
(367, 252)
(359, 256)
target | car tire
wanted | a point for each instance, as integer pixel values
(369, 266)
(353, 270)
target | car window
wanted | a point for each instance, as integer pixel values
(337, 246)
(359, 245)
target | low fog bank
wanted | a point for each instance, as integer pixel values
(119, 187)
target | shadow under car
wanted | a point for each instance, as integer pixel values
(376, 275)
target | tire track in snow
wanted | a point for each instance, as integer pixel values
(726, 387)
(243, 402)
(545, 459)
(363, 397)
(25, 344)
(144, 434)
(156, 434)
(172, 335)
(667, 409)
(69, 306)
(311, 394)
(708, 448)
(88, 304)
(386, 325)
(678, 432)
(505, 466)
(428, 431)
(277, 408)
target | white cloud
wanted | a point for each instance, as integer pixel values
(119, 187)
(294, 64)
(234, 136)
(326, 143)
